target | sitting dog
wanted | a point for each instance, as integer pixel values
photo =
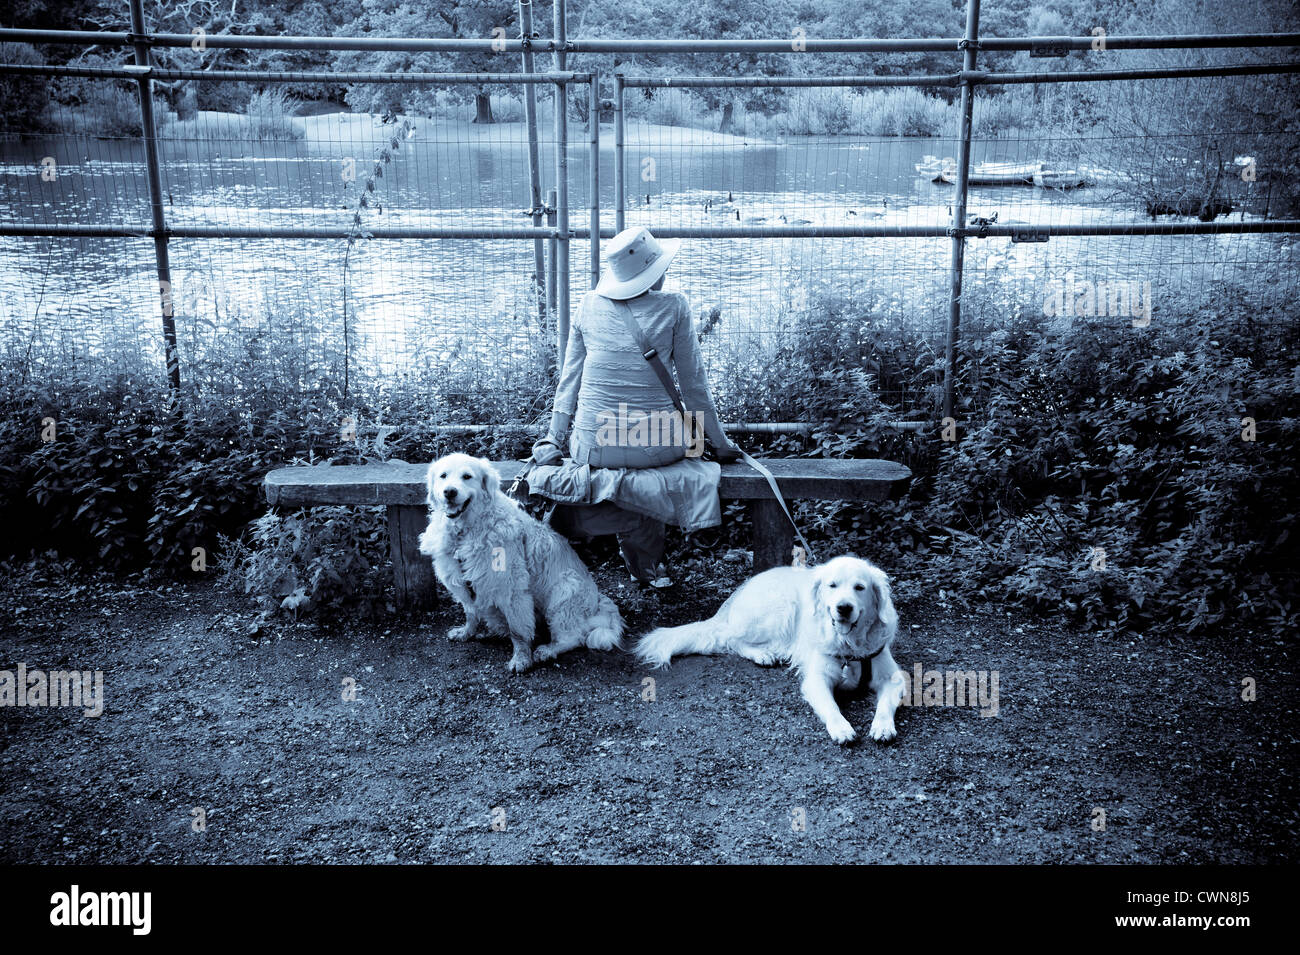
(502, 566)
(824, 621)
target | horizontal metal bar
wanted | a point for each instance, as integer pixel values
(666, 82)
(955, 79)
(999, 231)
(655, 82)
(267, 76)
(778, 45)
(251, 42)
(1205, 41)
(739, 427)
(1092, 76)
(1271, 226)
(272, 232)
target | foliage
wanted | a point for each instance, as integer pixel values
(22, 98)
(1101, 469)
(270, 115)
(310, 560)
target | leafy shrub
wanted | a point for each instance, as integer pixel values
(22, 98)
(270, 115)
(668, 107)
(310, 560)
(836, 111)
(1101, 470)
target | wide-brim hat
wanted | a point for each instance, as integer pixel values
(636, 260)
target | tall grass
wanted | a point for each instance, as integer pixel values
(270, 115)
(839, 111)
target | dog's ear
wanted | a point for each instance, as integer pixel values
(491, 480)
(885, 611)
(817, 587)
(429, 478)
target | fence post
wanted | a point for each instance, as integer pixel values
(620, 186)
(968, 46)
(562, 189)
(528, 34)
(593, 182)
(551, 255)
(150, 133)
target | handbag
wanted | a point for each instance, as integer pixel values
(651, 355)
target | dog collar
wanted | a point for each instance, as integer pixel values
(869, 656)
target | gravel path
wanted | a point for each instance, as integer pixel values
(726, 764)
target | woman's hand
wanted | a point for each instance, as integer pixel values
(727, 454)
(546, 452)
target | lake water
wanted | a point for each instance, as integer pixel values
(417, 304)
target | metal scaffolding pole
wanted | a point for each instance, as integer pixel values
(562, 189)
(959, 206)
(534, 161)
(776, 45)
(620, 184)
(551, 245)
(994, 231)
(154, 174)
(593, 179)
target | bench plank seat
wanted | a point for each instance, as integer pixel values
(400, 487)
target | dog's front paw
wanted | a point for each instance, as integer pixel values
(545, 652)
(882, 728)
(519, 663)
(841, 732)
(463, 632)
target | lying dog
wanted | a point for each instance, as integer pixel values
(824, 621)
(502, 566)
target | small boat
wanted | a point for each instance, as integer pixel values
(1019, 174)
(932, 167)
(997, 173)
(1059, 179)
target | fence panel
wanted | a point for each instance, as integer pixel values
(336, 247)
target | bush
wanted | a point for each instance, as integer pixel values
(835, 111)
(270, 115)
(310, 560)
(22, 98)
(1101, 472)
(995, 114)
(668, 107)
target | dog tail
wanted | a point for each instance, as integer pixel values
(659, 646)
(606, 626)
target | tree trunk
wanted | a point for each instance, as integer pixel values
(727, 111)
(483, 108)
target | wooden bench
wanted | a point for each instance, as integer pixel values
(400, 488)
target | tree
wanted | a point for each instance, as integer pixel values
(452, 19)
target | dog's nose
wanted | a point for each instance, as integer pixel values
(449, 493)
(844, 609)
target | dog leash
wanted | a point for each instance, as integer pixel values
(514, 485)
(651, 355)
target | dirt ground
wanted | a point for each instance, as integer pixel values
(726, 764)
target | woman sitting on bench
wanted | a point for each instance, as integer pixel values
(615, 400)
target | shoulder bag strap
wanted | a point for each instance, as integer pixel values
(651, 355)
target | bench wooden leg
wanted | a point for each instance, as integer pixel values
(773, 537)
(412, 571)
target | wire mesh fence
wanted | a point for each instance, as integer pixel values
(319, 247)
